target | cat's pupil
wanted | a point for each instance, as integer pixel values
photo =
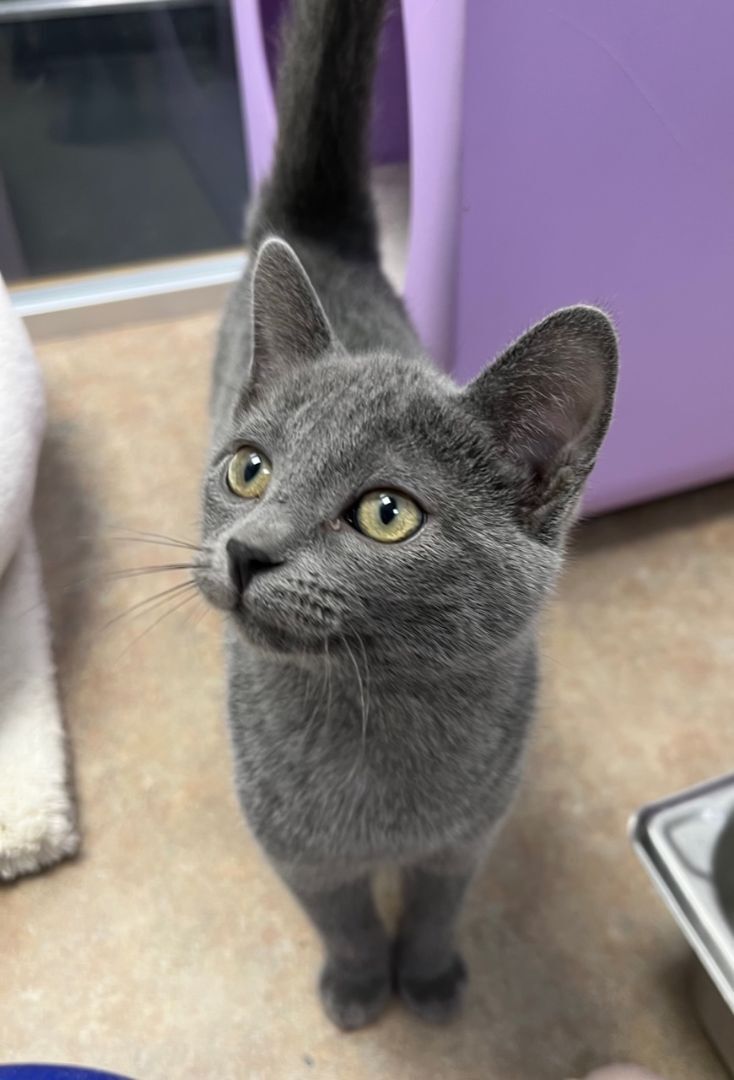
(252, 468)
(388, 509)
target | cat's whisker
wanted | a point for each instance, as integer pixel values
(189, 614)
(205, 610)
(363, 647)
(114, 575)
(145, 536)
(327, 658)
(325, 685)
(141, 571)
(309, 724)
(150, 602)
(176, 607)
(360, 683)
(152, 542)
(304, 690)
(54, 592)
(170, 611)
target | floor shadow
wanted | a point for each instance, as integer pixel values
(65, 525)
(677, 977)
(536, 1014)
(67, 530)
(637, 523)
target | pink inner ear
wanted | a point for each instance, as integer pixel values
(567, 405)
(548, 398)
(544, 417)
(289, 323)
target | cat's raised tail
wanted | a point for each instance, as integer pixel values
(319, 185)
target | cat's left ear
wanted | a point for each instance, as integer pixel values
(289, 325)
(548, 402)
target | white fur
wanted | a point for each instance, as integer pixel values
(36, 813)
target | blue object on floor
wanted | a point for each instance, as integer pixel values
(55, 1072)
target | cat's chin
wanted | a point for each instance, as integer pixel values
(271, 638)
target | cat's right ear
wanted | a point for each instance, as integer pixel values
(547, 402)
(289, 325)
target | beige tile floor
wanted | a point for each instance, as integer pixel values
(168, 951)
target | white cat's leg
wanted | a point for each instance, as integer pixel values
(37, 825)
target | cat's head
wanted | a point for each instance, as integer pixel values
(367, 501)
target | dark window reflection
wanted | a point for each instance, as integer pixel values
(120, 138)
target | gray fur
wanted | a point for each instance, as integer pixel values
(380, 696)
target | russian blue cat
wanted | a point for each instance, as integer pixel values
(381, 542)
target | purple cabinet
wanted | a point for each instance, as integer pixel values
(598, 143)
(572, 152)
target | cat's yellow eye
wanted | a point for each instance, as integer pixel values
(387, 516)
(248, 473)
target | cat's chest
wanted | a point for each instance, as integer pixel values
(334, 772)
(358, 792)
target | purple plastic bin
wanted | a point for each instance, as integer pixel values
(599, 166)
(564, 153)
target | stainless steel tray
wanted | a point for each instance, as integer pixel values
(686, 843)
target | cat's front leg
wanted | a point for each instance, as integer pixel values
(355, 983)
(429, 972)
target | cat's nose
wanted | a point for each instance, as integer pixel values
(246, 561)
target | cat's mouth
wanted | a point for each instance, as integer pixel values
(277, 633)
(277, 622)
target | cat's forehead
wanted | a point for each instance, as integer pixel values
(357, 386)
(346, 412)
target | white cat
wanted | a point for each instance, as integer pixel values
(37, 821)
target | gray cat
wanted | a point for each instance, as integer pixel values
(382, 542)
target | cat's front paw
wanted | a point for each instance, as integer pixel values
(435, 998)
(353, 1001)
